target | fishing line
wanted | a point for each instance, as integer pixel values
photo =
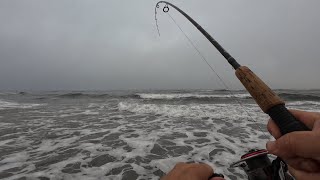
(166, 9)
(255, 163)
(155, 18)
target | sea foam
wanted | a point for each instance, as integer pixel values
(13, 105)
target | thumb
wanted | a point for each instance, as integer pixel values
(298, 149)
(301, 144)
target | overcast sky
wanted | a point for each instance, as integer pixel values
(113, 44)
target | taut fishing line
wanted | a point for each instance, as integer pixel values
(166, 10)
(255, 163)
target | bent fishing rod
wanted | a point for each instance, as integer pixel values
(258, 165)
(269, 102)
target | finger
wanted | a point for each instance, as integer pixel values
(316, 126)
(273, 129)
(308, 118)
(202, 170)
(217, 178)
(179, 165)
(301, 144)
(308, 165)
(301, 175)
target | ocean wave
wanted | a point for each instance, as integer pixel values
(14, 105)
(194, 96)
(82, 95)
(7, 93)
(195, 110)
(295, 96)
(190, 96)
(303, 103)
(233, 111)
(133, 96)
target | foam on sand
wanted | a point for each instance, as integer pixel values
(128, 137)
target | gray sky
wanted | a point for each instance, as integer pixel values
(113, 44)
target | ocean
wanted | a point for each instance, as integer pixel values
(131, 134)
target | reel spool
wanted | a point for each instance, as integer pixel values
(256, 164)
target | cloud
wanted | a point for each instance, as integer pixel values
(49, 45)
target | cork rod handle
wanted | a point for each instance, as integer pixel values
(269, 102)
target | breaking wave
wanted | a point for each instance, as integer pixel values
(303, 103)
(190, 110)
(82, 95)
(176, 95)
(191, 96)
(297, 97)
(15, 105)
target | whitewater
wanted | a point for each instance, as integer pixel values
(131, 134)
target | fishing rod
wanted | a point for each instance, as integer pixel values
(269, 102)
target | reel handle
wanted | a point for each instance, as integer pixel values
(269, 102)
